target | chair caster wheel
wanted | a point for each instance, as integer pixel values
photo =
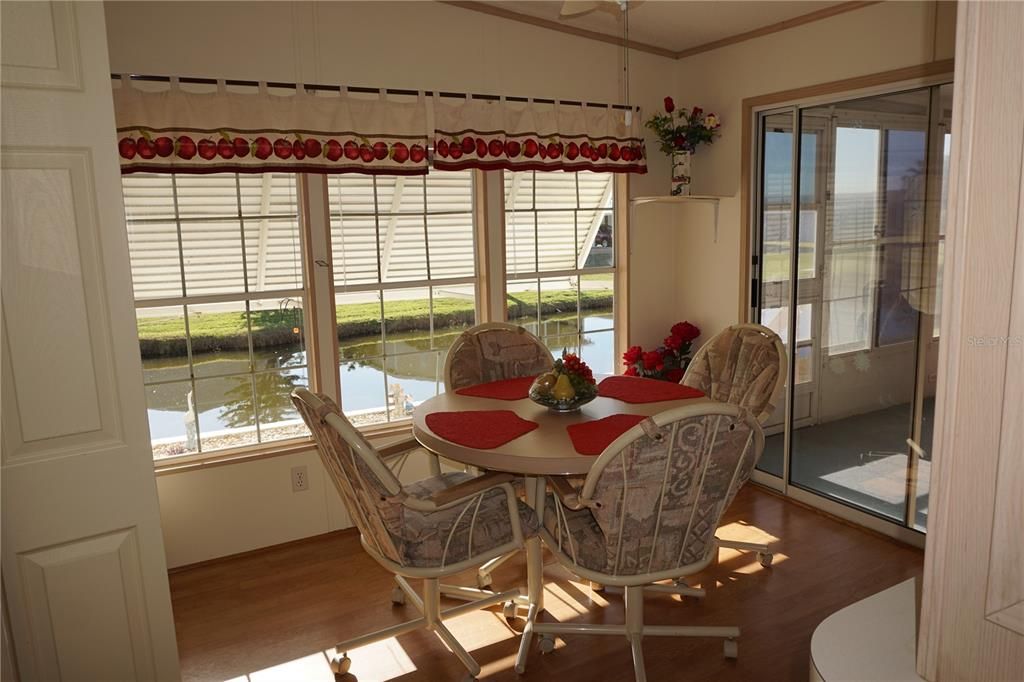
(483, 580)
(397, 596)
(341, 665)
(547, 644)
(765, 558)
(731, 648)
(596, 587)
(509, 610)
(470, 677)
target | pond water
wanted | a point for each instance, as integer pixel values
(228, 397)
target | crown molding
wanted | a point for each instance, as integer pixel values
(496, 11)
(808, 18)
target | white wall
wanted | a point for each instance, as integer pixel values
(877, 38)
(677, 270)
(225, 509)
(229, 508)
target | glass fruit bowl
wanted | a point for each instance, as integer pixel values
(562, 391)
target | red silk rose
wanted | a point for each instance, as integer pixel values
(670, 106)
(685, 331)
(667, 362)
(652, 359)
(632, 355)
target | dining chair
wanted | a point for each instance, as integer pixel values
(493, 351)
(744, 365)
(431, 529)
(647, 513)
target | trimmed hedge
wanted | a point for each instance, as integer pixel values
(164, 336)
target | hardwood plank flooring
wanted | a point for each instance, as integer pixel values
(271, 615)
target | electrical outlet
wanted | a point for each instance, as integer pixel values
(300, 479)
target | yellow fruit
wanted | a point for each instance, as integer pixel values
(563, 389)
(545, 382)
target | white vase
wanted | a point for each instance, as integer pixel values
(681, 173)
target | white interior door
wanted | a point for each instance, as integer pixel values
(972, 618)
(84, 573)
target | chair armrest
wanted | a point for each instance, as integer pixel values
(398, 447)
(470, 488)
(566, 492)
(468, 496)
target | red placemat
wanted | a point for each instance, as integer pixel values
(644, 390)
(484, 429)
(505, 389)
(591, 438)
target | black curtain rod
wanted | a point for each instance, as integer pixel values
(370, 91)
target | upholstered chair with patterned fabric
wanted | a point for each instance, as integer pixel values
(491, 352)
(494, 351)
(745, 365)
(431, 529)
(647, 513)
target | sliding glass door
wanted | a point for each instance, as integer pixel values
(850, 205)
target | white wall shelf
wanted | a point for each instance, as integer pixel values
(669, 199)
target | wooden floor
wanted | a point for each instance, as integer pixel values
(272, 615)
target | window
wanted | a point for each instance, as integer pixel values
(403, 253)
(224, 304)
(851, 253)
(218, 281)
(559, 233)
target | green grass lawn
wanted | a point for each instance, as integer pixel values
(164, 336)
(776, 265)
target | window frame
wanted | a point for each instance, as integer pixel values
(618, 195)
(318, 291)
(185, 300)
(400, 425)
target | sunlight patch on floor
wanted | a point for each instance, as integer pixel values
(384, 660)
(479, 629)
(750, 564)
(506, 663)
(377, 662)
(561, 603)
(881, 477)
(744, 532)
(314, 668)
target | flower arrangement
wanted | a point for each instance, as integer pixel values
(681, 130)
(568, 386)
(668, 361)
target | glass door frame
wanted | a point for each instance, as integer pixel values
(906, 530)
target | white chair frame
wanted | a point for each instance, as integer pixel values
(428, 605)
(483, 576)
(764, 553)
(467, 335)
(634, 628)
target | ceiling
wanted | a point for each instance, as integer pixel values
(675, 25)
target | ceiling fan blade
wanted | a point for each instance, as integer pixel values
(575, 8)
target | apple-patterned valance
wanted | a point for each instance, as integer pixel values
(174, 131)
(492, 134)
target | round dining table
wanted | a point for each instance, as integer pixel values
(545, 451)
